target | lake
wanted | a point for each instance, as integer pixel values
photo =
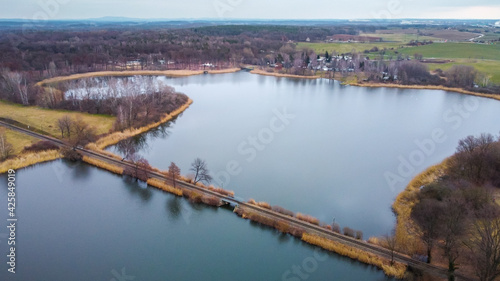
(340, 152)
(336, 152)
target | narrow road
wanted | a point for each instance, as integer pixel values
(310, 228)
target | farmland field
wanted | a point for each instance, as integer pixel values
(321, 48)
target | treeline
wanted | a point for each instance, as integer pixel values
(457, 216)
(135, 101)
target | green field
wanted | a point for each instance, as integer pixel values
(456, 50)
(400, 37)
(321, 48)
(491, 67)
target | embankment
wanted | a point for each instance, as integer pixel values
(396, 270)
(404, 203)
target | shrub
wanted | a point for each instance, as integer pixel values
(348, 232)
(71, 154)
(41, 146)
(282, 210)
(359, 234)
(192, 196)
(222, 191)
(211, 200)
(336, 228)
(307, 218)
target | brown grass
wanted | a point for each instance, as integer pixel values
(263, 72)
(260, 204)
(397, 270)
(28, 159)
(307, 218)
(46, 119)
(165, 187)
(171, 73)
(103, 165)
(280, 225)
(425, 87)
(402, 206)
(222, 191)
(19, 140)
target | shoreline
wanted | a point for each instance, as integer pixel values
(265, 73)
(118, 73)
(31, 159)
(406, 199)
(424, 87)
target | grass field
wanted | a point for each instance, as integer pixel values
(456, 50)
(45, 119)
(19, 140)
(321, 48)
(400, 37)
(491, 67)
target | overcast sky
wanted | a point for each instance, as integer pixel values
(251, 9)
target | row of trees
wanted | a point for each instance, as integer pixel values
(76, 131)
(135, 101)
(457, 215)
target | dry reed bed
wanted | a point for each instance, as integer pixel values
(278, 209)
(263, 72)
(404, 203)
(280, 225)
(396, 270)
(103, 165)
(196, 197)
(165, 187)
(171, 73)
(425, 87)
(28, 159)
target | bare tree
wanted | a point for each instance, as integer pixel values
(174, 172)
(200, 170)
(140, 169)
(82, 133)
(453, 223)
(484, 244)
(64, 124)
(6, 149)
(390, 242)
(127, 148)
(425, 214)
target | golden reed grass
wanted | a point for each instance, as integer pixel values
(103, 165)
(402, 206)
(263, 72)
(165, 187)
(115, 137)
(396, 270)
(171, 73)
(425, 87)
(307, 218)
(280, 225)
(28, 159)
